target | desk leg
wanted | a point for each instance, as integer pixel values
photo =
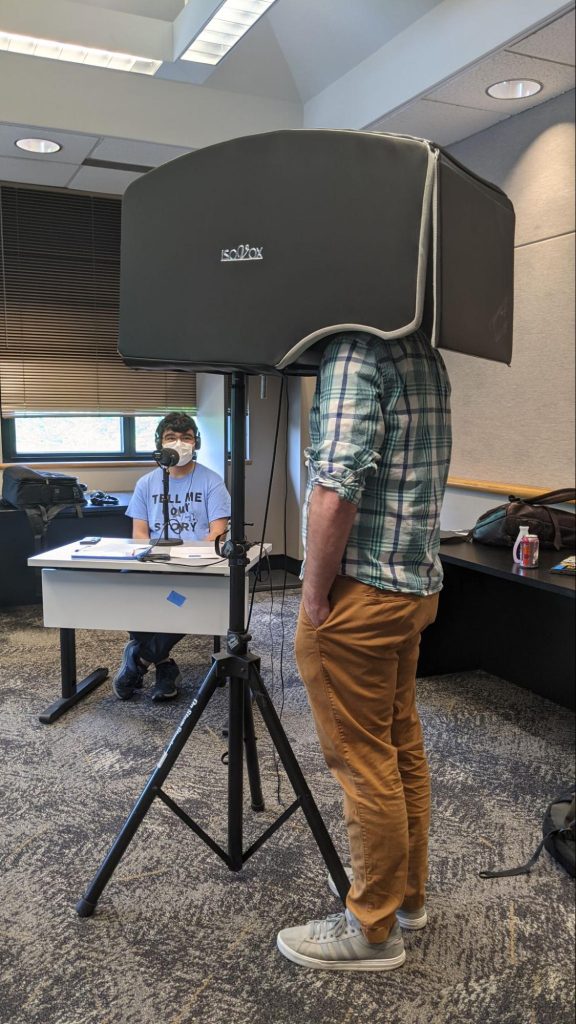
(72, 692)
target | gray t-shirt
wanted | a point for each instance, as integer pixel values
(195, 501)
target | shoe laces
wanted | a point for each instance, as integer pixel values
(335, 926)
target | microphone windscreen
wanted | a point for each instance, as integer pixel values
(167, 457)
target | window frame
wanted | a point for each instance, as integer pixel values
(128, 453)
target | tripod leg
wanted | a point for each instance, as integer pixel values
(299, 784)
(252, 754)
(87, 904)
(235, 772)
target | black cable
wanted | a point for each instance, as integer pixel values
(282, 600)
(257, 574)
(267, 508)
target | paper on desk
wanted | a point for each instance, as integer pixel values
(111, 547)
(192, 554)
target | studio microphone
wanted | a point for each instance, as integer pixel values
(167, 457)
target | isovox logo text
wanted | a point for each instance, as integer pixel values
(242, 252)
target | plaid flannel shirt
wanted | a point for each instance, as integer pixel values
(380, 436)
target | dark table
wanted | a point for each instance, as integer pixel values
(512, 622)
(19, 584)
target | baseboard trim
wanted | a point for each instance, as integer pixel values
(286, 562)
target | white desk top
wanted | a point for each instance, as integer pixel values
(62, 558)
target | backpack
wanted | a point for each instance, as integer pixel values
(555, 527)
(559, 830)
(40, 495)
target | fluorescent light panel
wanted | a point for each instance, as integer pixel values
(231, 21)
(77, 54)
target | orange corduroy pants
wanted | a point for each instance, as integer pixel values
(359, 669)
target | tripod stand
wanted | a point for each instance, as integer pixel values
(242, 669)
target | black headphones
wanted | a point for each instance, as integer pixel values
(101, 498)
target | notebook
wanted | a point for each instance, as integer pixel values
(111, 548)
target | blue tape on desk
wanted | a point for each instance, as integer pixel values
(176, 598)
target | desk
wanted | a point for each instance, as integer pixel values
(514, 623)
(127, 595)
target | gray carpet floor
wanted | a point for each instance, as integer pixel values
(177, 938)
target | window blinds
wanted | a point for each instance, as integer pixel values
(59, 285)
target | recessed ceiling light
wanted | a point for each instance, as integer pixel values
(514, 89)
(231, 21)
(38, 145)
(77, 54)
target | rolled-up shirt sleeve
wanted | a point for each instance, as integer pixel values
(347, 424)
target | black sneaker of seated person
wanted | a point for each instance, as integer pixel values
(167, 676)
(131, 673)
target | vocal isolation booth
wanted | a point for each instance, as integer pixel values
(247, 255)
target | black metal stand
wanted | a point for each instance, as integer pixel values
(243, 671)
(165, 540)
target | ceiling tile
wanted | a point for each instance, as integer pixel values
(440, 122)
(102, 179)
(554, 42)
(75, 148)
(35, 172)
(469, 87)
(144, 154)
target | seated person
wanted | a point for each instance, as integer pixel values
(199, 509)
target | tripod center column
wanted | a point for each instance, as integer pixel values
(237, 638)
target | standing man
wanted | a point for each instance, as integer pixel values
(380, 442)
(199, 509)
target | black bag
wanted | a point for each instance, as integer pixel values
(559, 830)
(40, 495)
(555, 527)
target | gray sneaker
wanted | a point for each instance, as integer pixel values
(167, 676)
(337, 944)
(131, 673)
(412, 920)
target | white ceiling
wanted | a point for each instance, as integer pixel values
(311, 63)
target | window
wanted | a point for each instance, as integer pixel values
(45, 435)
(81, 437)
(64, 389)
(144, 430)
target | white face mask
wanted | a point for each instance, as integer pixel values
(185, 451)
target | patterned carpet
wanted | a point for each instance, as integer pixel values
(177, 938)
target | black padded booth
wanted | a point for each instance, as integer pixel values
(247, 255)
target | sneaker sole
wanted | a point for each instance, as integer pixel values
(412, 924)
(159, 697)
(340, 965)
